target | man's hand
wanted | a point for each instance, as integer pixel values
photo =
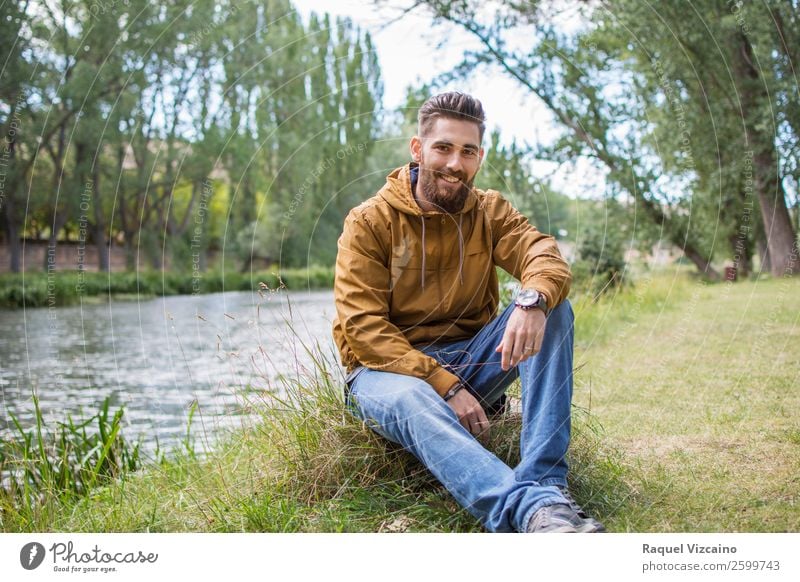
(523, 336)
(469, 411)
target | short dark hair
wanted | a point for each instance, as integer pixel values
(455, 105)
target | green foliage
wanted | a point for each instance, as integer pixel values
(602, 242)
(297, 166)
(690, 115)
(508, 169)
(174, 131)
(47, 465)
(65, 288)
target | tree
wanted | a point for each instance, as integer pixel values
(718, 70)
(508, 170)
(18, 142)
(125, 121)
(603, 83)
(323, 120)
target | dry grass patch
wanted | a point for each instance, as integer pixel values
(704, 401)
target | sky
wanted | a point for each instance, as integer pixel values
(408, 54)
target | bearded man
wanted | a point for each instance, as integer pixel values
(426, 352)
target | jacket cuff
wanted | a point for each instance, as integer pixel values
(442, 380)
(554, 294)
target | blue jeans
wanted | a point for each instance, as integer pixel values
(406, 410)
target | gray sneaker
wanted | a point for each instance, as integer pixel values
(579, 510)
(572, 503)
(561, 518)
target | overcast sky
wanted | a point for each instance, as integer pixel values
(408, 54)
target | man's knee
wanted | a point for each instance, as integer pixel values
(397, 394)
(561, 316)
(397, 406)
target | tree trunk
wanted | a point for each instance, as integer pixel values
(127, 231)
(7, 205)
(245, 200)
(12, 234)
(103, 249)
(657, 215)
(780, 236)
(59, 220)
(130, 252)
(781, 241)
(763, 253)
(157, 258)
(50, 252)
(247, 263)
(100, 241)
(741, 252)
(703, 265)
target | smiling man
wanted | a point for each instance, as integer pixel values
(426, 352)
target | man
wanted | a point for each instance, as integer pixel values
(416, 298)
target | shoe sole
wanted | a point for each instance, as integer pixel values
(588, 526)
(591, 526)
(560, 529)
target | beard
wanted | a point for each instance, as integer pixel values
(444, 199)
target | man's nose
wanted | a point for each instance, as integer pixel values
(454, 162)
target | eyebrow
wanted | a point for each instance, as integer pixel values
(469, 146)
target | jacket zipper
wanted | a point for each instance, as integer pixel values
(442, 306)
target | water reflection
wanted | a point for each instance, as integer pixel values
(156, 357)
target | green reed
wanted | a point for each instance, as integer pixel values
(44, 463)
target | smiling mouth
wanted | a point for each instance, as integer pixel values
(449, 179)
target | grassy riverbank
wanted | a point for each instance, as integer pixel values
(686, 420)
(703, 401)
(70, 287)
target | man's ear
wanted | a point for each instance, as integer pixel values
(416, 148)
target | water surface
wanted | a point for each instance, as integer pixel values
(157, 357)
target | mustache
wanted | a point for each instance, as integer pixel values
(458, 175)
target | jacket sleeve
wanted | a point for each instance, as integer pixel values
(529, 255)
(361, 294)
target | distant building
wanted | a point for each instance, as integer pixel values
(661, 254)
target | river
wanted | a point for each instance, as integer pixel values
(158, 356)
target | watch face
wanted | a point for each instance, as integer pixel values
(527, 297)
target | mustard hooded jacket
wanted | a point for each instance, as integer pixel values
(407, 278)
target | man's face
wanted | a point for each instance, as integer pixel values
(449, 156)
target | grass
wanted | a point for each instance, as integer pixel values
(685, 419)
(700, 394)
(43, 469)
(307, 467)
(70, 287)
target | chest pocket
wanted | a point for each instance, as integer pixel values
(405, 262)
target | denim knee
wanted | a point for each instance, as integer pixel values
(390, 403)
(561, 315)
(396, 395)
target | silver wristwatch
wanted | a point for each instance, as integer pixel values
(531, 299)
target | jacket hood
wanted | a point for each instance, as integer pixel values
(397, 192)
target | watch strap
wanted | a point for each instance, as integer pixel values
(453, 391)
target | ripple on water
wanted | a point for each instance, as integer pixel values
(157, 357)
